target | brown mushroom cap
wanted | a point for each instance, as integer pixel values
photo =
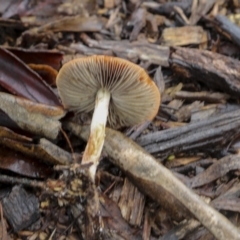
(134, 96)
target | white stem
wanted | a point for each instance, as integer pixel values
(97, 131)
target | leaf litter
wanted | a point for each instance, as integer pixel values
(190, 49)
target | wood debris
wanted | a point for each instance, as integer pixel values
(175, 177)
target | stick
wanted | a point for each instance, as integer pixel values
(142, 168)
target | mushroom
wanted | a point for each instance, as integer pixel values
(117, 90)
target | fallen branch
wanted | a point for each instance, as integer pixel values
(214, 132)
(145, 51)
(145, 171)
(211, 69)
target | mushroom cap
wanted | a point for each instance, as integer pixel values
(134, 96)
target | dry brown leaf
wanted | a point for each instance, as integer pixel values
(23, 165)
(181, 161)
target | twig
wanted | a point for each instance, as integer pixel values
(215, 131)
(139, 130)
(23, 181)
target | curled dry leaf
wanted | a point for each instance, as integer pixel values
(33, 117)
(19, 79)
(47, 73)
(33, 56)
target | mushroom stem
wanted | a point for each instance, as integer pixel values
(97, 131)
